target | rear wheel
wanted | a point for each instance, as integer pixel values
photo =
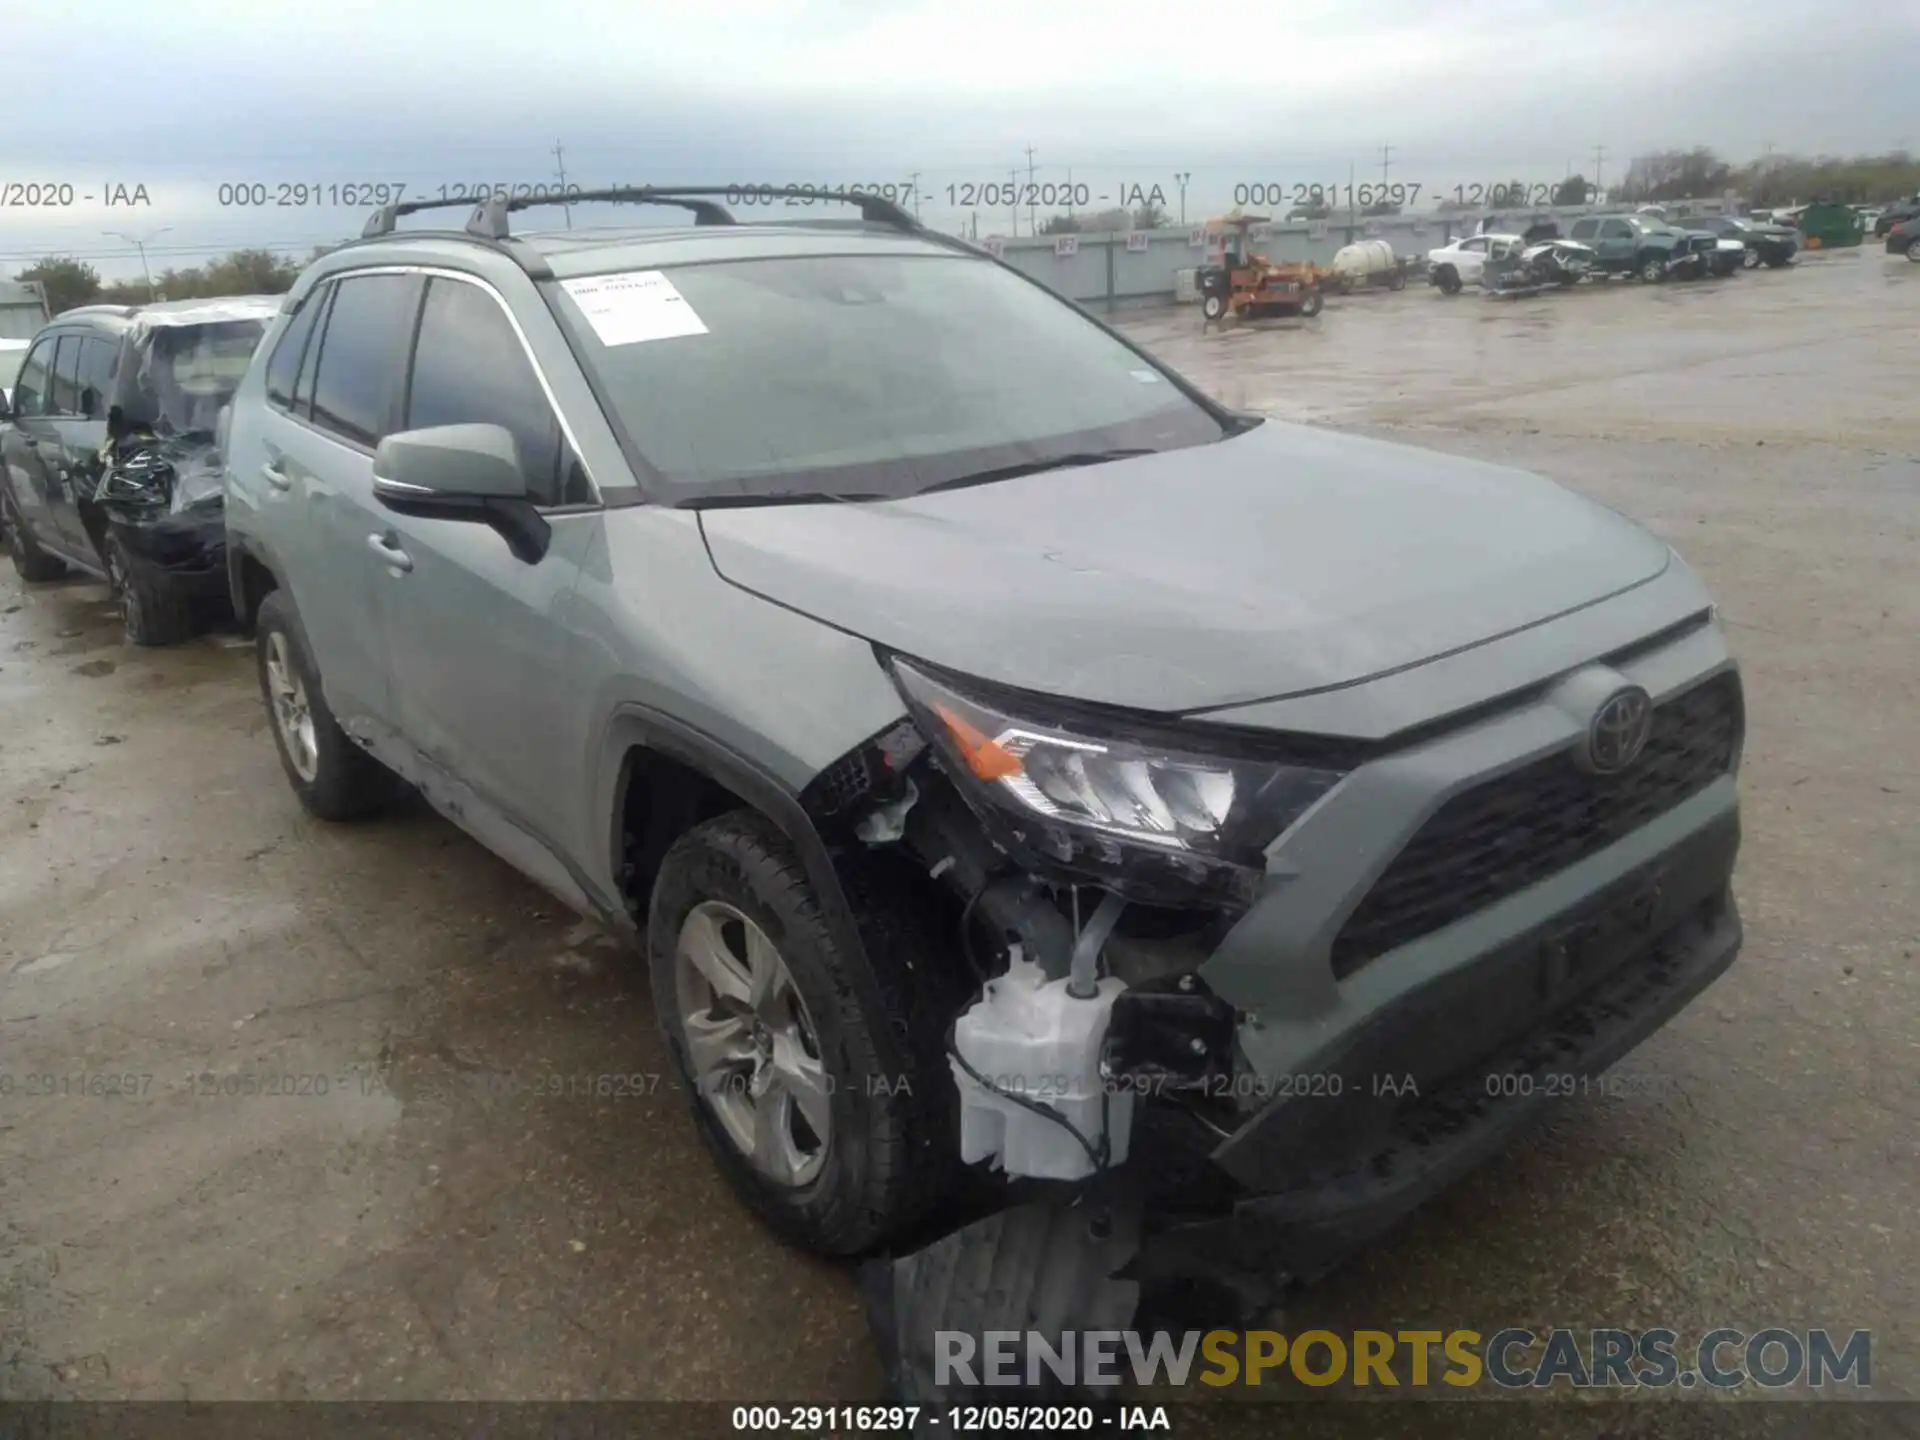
(1398, 279)
(334, 778)
(1913, 250)
(30, 562)
(1213, 307)
(1311, 305)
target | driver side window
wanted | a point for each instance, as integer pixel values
(30, 389)
(1475, 246)
(1616, 230)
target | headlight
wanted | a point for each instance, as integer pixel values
(1145, 810)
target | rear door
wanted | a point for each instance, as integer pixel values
(318, 476)
(481, 649)
(62, 445)
(83, 434)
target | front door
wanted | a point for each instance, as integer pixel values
(479, 640)
(30, 445)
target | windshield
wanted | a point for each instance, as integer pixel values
(867, 375)
(183, 374)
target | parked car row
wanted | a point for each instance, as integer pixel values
(112, 464)
(1640, 246)
(993, 743)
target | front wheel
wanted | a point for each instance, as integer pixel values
(1750, 260)
(818, 1077)
(1311, 306)
(1913, 250)
(1448, 279)
(152, 612)
(1653, 270)
(1213, 307)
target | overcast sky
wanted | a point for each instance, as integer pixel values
(439, 93)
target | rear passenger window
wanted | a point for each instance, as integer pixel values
(64, 397)
(283, 366)
(363, 356)
(470, 368)
(97, 358)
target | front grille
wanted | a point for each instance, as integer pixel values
(1498, 838)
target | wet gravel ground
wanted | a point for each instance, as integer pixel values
(360, 1148)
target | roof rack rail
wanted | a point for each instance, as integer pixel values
(490, 217)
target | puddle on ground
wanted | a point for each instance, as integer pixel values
(95, 667)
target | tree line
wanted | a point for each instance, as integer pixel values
(67, 282)
(1772, 179)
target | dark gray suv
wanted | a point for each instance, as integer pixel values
(1002, 752)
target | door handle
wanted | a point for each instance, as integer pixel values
(275, 476)
(388, 549)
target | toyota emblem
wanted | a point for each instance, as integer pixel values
(1619, 731)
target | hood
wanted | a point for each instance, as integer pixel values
(1283, 560)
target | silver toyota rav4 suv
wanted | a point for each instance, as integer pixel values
(1013, 764)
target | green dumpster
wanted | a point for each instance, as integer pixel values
(1826, 225)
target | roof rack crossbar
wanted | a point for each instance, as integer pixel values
(489, 219)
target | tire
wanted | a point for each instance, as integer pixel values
(1651, 270)
(1397, 280)
(1913, 250)
(1312, 304)
(30, 562)
(1776, 262)
(334, 778)
(1448, 279)
(890, 1151)
(1213, 307)
(152, 612)
(1750, 260)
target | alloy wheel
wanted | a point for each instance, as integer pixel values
(291, 712)
(751, 1045)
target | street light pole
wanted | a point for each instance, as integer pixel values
(141, 244)
(1181, 178)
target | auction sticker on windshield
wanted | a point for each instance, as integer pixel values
(633, 306)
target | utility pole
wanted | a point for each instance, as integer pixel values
(1032, 228)
(1181, 178)
(1386, 162)
(914, 181)
(140, 243)
(1013, 200)
(560, 160)
(1599, 160)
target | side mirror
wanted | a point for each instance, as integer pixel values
(462, 472)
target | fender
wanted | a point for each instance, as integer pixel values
(638, 725)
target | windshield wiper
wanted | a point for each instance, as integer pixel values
(1014, 471)
(776, 497)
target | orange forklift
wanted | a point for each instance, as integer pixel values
(1238, 283)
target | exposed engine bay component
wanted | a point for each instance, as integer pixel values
(1175, 1036)
(1026, 1058)
(1544, 266)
